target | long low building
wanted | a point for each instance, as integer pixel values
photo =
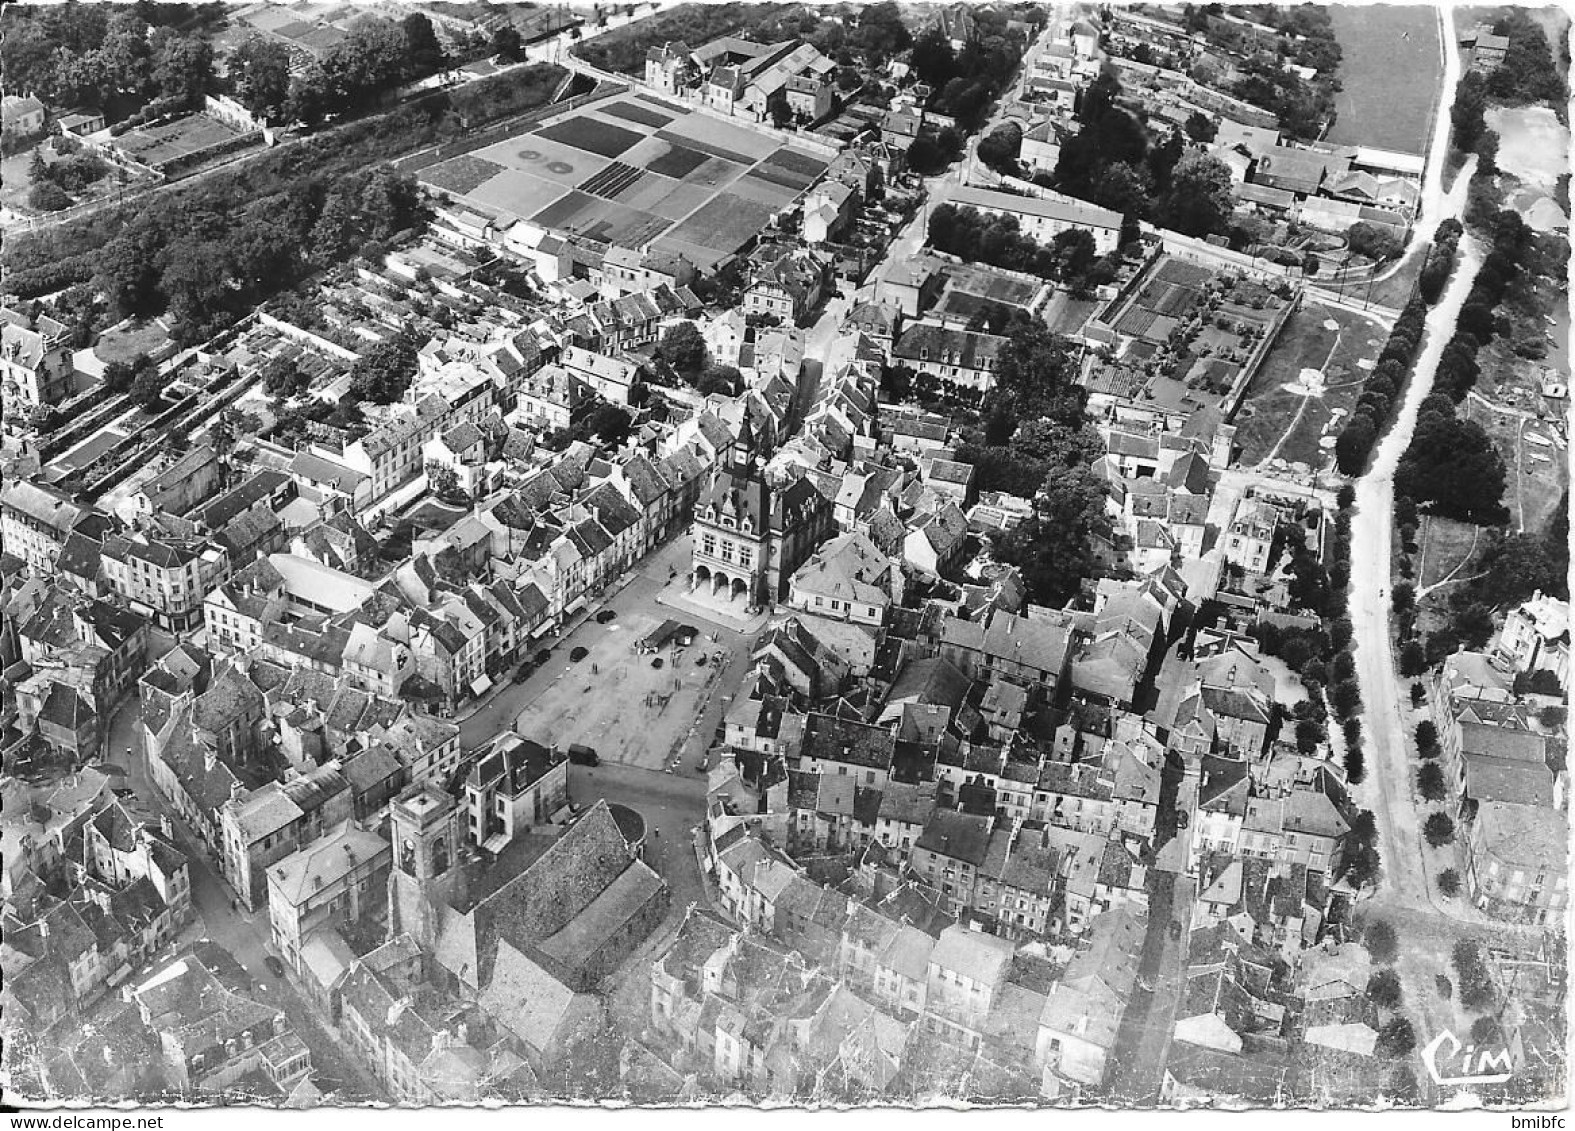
(1043, 218)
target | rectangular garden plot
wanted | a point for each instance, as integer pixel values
(592, 135)
(643, 115)
(462, 174)
(678, 162)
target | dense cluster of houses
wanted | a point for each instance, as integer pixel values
(933, 844)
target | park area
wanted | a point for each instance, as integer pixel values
(635, 171)
(1390, 72)
(1308, 382)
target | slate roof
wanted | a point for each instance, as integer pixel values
(960, 836)
(831, 739)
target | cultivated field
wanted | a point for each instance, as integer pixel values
(154, 145)
(1390, 72)
(634, 170)
(1308, 382)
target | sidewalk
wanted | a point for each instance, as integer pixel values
(704, 610)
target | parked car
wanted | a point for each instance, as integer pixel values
(606, 615)
(275, 967)
(578, 654)
(656, 663)
(525, 672)
(583, 755)
(542, 657)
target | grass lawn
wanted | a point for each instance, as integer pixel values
(1393, 292)
(126, 343)
(1278, 422)
(14, 182)
(1390, 72)
(1446, 545)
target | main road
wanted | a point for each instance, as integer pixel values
(1387, 788)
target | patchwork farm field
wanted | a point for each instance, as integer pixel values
(633, 170)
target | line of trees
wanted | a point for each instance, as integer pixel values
(1381, 391)
(204, 260)
(1528, 73)
(1440, 261)
(55, 259)
(1452, 465)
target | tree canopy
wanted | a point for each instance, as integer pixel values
(385, 370)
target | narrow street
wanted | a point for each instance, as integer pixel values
(244, 935)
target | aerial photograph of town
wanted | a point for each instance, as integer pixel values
(763, 553)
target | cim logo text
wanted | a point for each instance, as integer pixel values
(1465, 1064)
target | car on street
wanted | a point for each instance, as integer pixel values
(275, 967)
(578, 654)
(656, 663)
(542, 657)
(606, 615)
(525, 672)
(583, 755)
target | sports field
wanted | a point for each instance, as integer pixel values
(1390, 72)
(633, 170)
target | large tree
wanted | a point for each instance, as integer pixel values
(421, 46)
(1199, 200)
(260, 72)
(934, 61)
(1036, 377)
(684, 348)
(384, 371)
(1054, 549)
